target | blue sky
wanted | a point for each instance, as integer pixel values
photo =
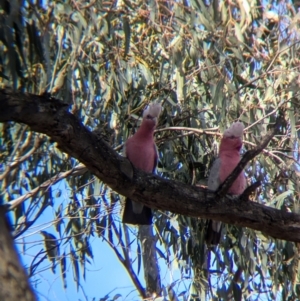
(105, 275)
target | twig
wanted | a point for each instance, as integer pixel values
(124, 262)
(267, 115)
(77, 170)
(269, 153)
(245, 195)
(182, 128)
(37, 143)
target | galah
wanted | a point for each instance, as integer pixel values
(141, 150)
(229, 157)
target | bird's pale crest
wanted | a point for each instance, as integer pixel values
(236, 130)
(153, 110)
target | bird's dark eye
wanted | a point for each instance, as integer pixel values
(232, 137)
(149, 117)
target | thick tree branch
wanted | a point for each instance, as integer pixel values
(13, 279)
(51, 117)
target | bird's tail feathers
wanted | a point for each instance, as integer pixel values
(213, 233)
(130, 217)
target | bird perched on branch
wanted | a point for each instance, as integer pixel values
(229, 157)
(141, 150)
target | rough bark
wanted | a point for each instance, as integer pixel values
(150, 261)
(14, 283)
(51, 117)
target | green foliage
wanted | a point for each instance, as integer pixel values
(208, 63)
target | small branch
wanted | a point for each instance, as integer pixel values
(127, 266)
(249, 155)
(268, 153)
(16, 162)
(182, 128)
(76, 171)
(18, 143)
(249, 190)
(27, 224)
(124, 262)
(267, 115)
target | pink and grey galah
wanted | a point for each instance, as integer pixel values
(141, 151)
(228, 159)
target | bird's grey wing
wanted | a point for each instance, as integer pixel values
(214, 182)
(213, 233)
(134, 206)
(155, 158)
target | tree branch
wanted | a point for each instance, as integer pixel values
(14, 284)
(76, 171)
(17, 161)
(51, 117)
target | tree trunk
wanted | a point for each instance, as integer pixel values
(14, 285)
(151, 268)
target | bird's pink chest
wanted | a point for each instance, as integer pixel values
(142, 154)
(228, 164)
